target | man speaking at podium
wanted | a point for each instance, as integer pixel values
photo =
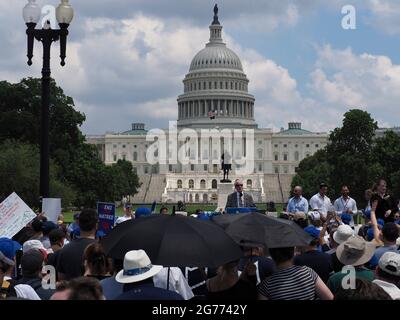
(239, 199)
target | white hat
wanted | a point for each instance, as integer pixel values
(314, 215)
(390, 263)
(33, 245)
(342, 233)
(137, 267)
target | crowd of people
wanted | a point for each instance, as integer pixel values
(343, 260)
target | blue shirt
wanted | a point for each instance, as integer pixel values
(381, 250)
(297, 205)
(148, 292)
(111, 288)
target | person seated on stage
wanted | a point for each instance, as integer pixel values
(239, 199)
(320, 202)
(345, 206)
(297, 204)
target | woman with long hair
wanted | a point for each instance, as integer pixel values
(387, 205)
(95, 262)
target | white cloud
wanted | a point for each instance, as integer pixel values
(385, 15)
(343, 80)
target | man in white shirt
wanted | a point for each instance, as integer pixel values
(127, 216)
(346, 204)
(321, 202)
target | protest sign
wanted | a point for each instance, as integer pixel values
(14, 215)
(106, 213)
(51, 208)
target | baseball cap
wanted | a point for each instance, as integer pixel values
(346, 218)
(9, 247)
(34, 245)
(312, 231)
(142, 212)
(4, 259)
(314, 215)
(390, 263)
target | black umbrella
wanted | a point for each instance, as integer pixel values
(173, 240)
(252, 229)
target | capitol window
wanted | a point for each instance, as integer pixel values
(123, 146)
(307, 145)
(214, 184)
(191, 184)
(285, 157)
(114, 157)
(276, 157)
(285, 145)
(170, 168)
(179, 184)
(249, 183)
(205, 167)
(202, 184)
(276, 169)
(114, 146)
(192, 167)
(124, 157)
(275, 146)
(316, 145)
(260, 154)
(296, 156)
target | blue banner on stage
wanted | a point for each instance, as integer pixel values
(106, 213)
(240, 210)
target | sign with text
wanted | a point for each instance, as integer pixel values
(14, 215)
(106, 213)
(51, 208)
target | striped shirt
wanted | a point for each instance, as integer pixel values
(294, 283)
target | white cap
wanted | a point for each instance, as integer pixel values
(390, 263)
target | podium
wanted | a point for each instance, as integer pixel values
(224, 190)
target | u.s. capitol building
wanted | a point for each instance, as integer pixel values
(215, 97)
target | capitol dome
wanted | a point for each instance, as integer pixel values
(216, 55)
(216, 87)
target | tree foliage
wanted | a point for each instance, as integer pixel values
(352, 157)
(79, 175)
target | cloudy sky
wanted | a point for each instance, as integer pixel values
(126, 59)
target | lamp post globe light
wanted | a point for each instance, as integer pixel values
(31, 14)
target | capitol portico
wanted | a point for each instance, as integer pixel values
(215, 96)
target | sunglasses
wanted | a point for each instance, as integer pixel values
(238, 185)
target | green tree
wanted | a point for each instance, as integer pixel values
(19, 172)
(386, 151)
(349, 153)
(77, 164)
(311, 172)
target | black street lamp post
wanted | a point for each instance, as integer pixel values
(64, 15)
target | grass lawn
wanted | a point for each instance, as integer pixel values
(190, 208)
